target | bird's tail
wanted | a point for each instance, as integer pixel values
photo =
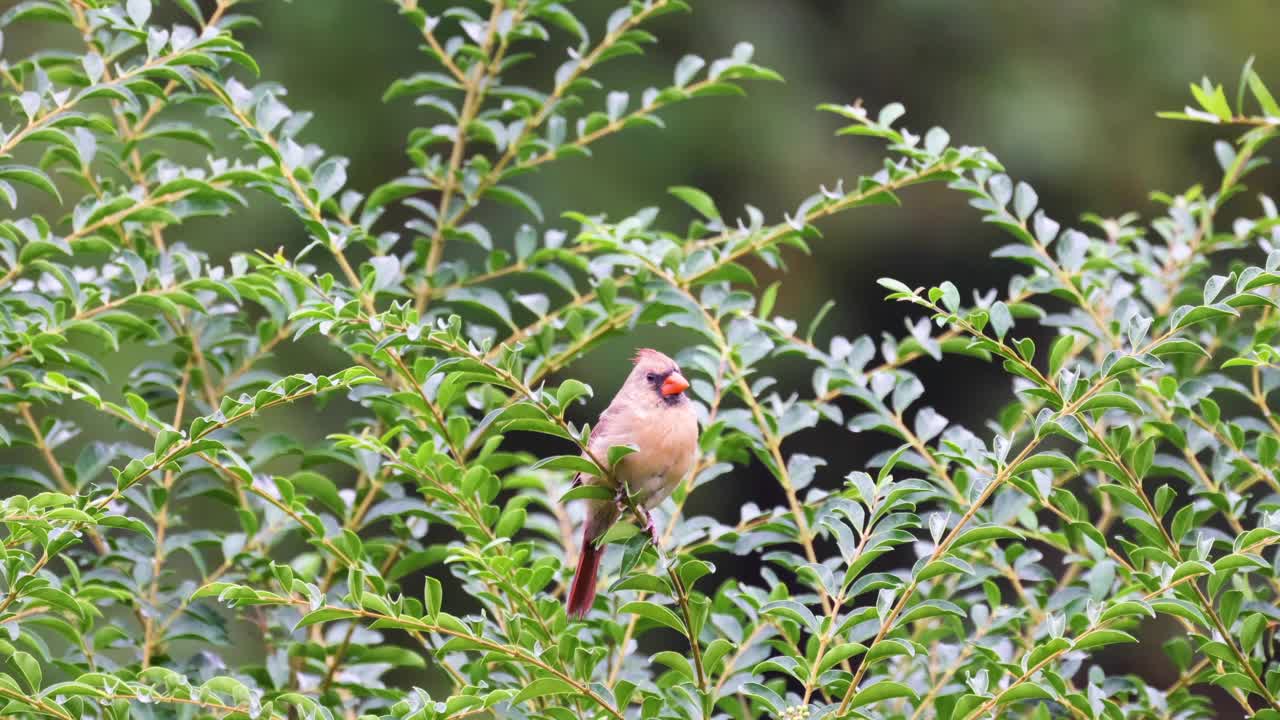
(583, 590)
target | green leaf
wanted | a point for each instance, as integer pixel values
(929, 609)
(1058, 353)
(793, 610)
(766, 696)
(656, 613)
(30, 669)
(641, 581)
(632, 553)
(692, 570)
(127, 523)
(767, 300)
(883, 690)
(1052, 460)
(677, 662)
(394, 190)
(944, 565)
(589, 492)
(1213, 100)
(1109, 400)
(28, 175)
(698, 200)
(717, 650)
(518, 198)
(985, 533)
(1191, 568)
(418, 84)
(576, 463)
(543, 687)
(1001, 319)
(321, 488)
(889, 647)
(1098, 638)
(1240, 561)
(617, 452)
(896, 287)
(329, 178)
(1179, 346)
(1127, 608)
(1260, 93)
(817, 319)
(69, 514)
(728, 272)
(1025, 691)
(432, 595)
(325, 615)
(139, 406)
(1205, 312)
(839, 653)
(569, 391)
(510, 522)
(1236, 681)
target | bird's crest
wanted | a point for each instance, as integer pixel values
(648, 354)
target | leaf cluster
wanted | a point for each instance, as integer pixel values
(414, 564)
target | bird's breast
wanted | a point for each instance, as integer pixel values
(666, 444)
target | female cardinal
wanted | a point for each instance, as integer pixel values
(652, 414)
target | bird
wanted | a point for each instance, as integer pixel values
(651, 413)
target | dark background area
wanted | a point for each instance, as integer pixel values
(1065, 94)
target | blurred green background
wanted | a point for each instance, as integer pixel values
(1064, 93)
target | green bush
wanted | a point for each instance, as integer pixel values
(208, 560)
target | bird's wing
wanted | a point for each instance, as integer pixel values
(599, 441)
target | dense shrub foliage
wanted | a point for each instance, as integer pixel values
(210, 561)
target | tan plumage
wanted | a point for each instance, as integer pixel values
(651, 413)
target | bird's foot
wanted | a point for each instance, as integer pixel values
(650, 526)
(622, 502)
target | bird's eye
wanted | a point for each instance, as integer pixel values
(652, 377)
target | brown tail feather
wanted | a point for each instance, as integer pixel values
(583, 591)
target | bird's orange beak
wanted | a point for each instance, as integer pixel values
(674, 384)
